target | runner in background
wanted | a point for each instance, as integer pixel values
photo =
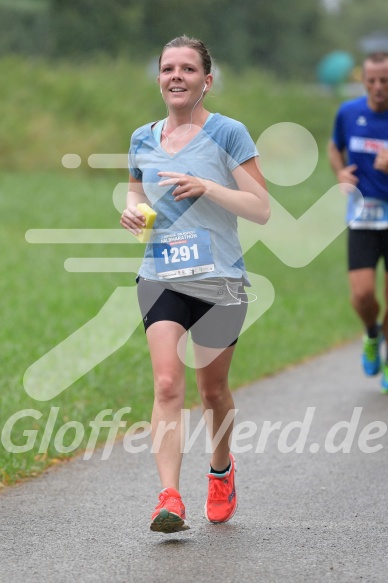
(358, 154)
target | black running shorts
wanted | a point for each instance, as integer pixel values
(211, 325)
(366, 247)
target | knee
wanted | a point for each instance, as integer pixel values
(213, 393)
(363, 297)
(168, 389)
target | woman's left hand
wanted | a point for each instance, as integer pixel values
(186, 185)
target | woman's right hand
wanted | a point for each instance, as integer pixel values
(133, 220)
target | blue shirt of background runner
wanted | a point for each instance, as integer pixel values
(362, 131)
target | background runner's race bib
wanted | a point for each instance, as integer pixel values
(182, 253)
(367, 213)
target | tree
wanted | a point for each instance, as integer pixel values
(266, 34)
(84, 27)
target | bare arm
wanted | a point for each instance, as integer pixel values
(250, 202)
(343, 172)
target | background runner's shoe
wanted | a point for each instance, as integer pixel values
(170, 514)
(221, 501)
(384, 379)
(371, 355)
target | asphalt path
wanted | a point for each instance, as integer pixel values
(313, 502)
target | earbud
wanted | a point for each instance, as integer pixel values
(161, 91)
(204, 88)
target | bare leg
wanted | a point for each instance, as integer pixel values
(169, 386)
(385, 319)
(212, 381)
(363, 295)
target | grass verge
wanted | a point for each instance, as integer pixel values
(49, 111)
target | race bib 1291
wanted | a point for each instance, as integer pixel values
(182, 253)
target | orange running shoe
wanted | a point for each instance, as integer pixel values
(221, 501)
(170, 514)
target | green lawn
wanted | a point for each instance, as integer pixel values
(75, 110)
(43, 304)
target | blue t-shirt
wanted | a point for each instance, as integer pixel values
(362, 132)
(220, 146)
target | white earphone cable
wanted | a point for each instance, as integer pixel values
(170, 141)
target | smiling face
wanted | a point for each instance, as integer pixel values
(375, 78)
(182, 77)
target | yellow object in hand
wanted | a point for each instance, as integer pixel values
(150, 216)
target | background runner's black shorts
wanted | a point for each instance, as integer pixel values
(211, 325)
(366, 247)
